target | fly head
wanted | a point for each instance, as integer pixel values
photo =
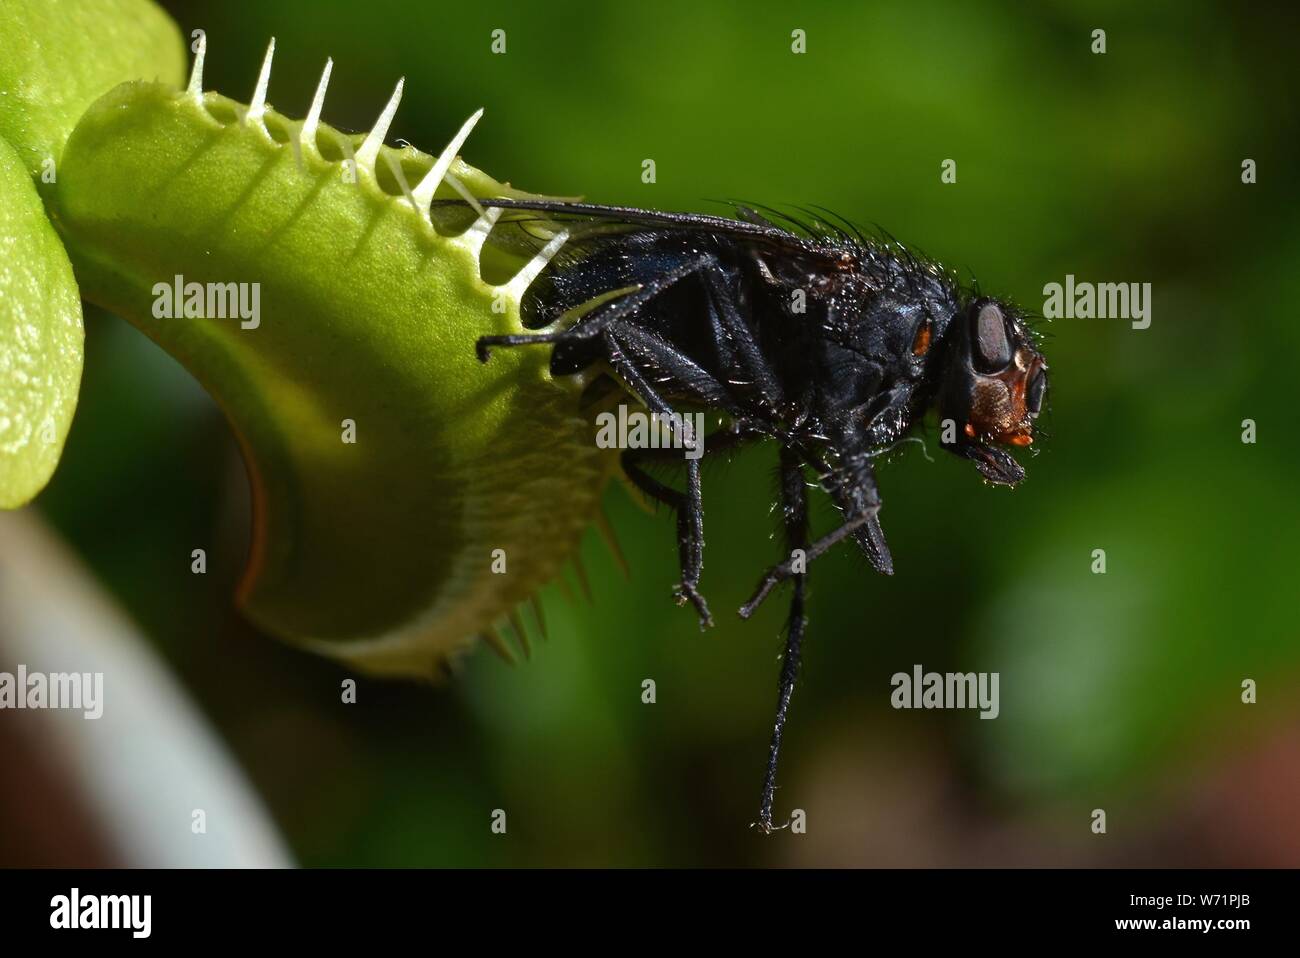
(994, 383)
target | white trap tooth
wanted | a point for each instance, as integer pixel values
(308, 133)
(257, 105)
(195, 89)
(369, 151)
(533, 268)
(476, 235)
(429, 185)
(395, 165)
(455, 183)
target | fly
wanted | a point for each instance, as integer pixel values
(832, 343)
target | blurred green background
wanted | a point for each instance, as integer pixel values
(1119, 691)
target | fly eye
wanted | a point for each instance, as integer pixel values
(921, 341)
(992, 347)
(1034, 395)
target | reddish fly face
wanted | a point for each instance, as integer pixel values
(994, 388)
(1009, 381)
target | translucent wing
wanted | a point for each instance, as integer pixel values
(589, 222)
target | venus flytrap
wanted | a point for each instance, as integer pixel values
(375, 551)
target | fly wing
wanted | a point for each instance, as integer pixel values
(597, 215)
(589, 223)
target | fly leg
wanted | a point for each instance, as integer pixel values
(855, 497)
(686, 376)
(786, 570)
(730, 326)
(860, 503)
(691, 559)
(794, 504)
(688, 506)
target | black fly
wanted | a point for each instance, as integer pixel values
(832, 343)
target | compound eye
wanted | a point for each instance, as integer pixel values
(992, 347)
(1034, 394)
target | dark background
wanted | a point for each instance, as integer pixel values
(1118, 691)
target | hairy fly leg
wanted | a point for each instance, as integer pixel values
(740, 345)
(794, 507)
(854, 497)
(854, 491)
(689, 509)
(688, 506)
(632, 467)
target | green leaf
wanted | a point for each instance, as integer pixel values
(40, 338)
(58, 58)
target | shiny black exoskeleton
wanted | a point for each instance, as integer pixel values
(833, 344)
